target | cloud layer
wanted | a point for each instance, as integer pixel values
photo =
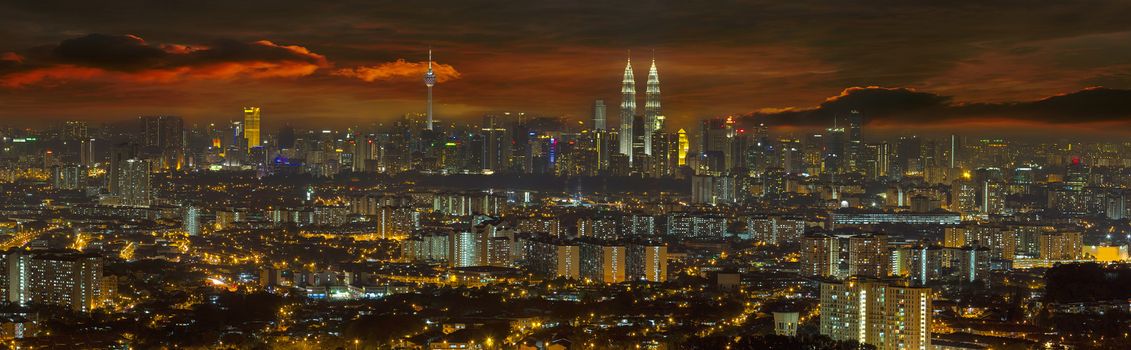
(399, 70)
(130, 58)
(908, 107)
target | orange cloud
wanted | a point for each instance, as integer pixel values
(50, 75)
(399, 70)
(166, 63)
(11, 56)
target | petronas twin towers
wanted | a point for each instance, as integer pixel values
(653, 115)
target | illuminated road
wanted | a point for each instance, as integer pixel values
(22, 238)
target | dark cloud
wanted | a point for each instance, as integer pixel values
(131, 58)
(907, 107)
(124, 52)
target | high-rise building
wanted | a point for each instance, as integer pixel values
(599, 114)
(684, 146)
(251, 126)
(855, 147)
(648, 262)
(75, 130)
(65, 278)
(887, 316)
(717, 144)
(496, 145)
(868, 255)
(653, 114)
(627, 111)
(713, 190)
(603, 262)
(192, 220)
(820, 256)
(163, 140)
(429, 81)
(118, 156)
(1060, 246)
(133, 187)
(463, 249)
(555, 259)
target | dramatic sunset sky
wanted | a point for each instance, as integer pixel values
(923, 64)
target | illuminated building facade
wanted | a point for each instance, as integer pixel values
(63, 278)
(627, 111)
(251, 126)
(884, 315)
(653, 114)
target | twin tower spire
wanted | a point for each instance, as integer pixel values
(653, 115)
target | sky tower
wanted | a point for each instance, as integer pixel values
(429, 80)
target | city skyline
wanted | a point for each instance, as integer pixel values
(478, 175)
(355, 67)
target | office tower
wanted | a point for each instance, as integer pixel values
(163, 139)
(908, 153)
(665, 154)
(286, 137)
(64, 278)
(627, 111)
(648, 262)
(133, 188)
(836, 143)
(251, 126)
(429, 81)
(496, 147)
(599, 114)
(717, 144)
(118, 156)
(192, 220)
(887, 316)
(86, 152)
(653, 114)
(684, 146)
(855, 146)
(603, 262)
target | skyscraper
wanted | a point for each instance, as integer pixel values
(133, 188)
(627, 110)
(251, 126)
(599, 114)
(653, 117)
(163, 139)
(429, 81)
(855, 145)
